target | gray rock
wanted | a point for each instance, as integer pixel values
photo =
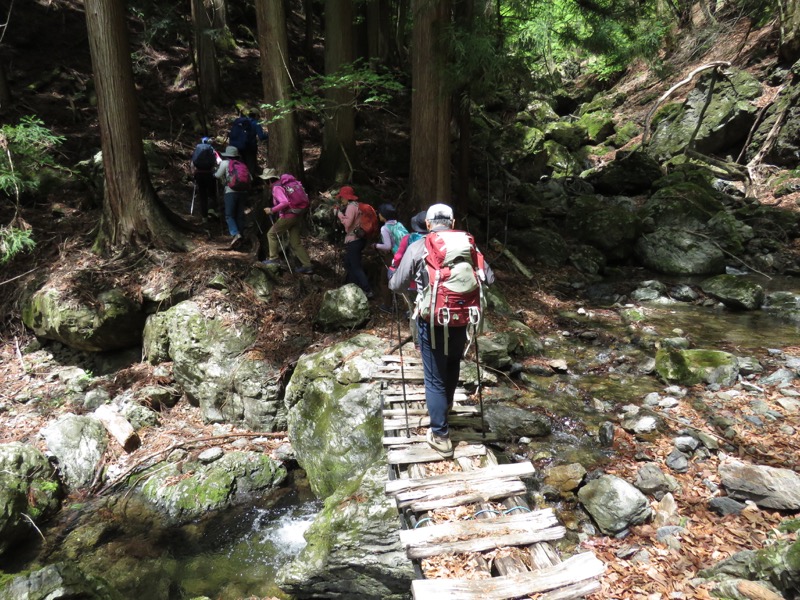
(735, 292)
(342, 309)
(78, 443)
(653, 481)
(511, 422)
(686, 443)
(768, 487)
(724, 506)
(673, 251)
(678, 461)
(614, 503)
(57, 582)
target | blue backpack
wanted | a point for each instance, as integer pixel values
(242, 134)
(204, 158)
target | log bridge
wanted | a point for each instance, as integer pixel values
(470, 509)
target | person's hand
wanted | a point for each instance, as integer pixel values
(268, 210)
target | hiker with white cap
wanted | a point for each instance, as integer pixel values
(450, 274)
(238, 181)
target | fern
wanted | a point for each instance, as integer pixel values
(14, 241)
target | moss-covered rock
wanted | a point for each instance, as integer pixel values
(599, 126)
(630, 174)
(612, 227)
(735, 292)
(112, 320)
(690, 367)
(334, 412)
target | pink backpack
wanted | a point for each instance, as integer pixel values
(239, 178)
(298, 199)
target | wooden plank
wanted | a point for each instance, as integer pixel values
(408, 376)
(574, 591)
(456, 421)
(419, 397)
(397, 390)
(521, 469)
(458, 409)
(448, 496)
(456, 436)
(419, 454)
(478, 535)
(576, 568)
(395, 358)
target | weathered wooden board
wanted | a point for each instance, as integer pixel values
(395, 358)
(575, 569)
(459, 494)
(481, 534)
(418, 397)
(522, 469)
(419, 454)
(455, 435)
(457, 409)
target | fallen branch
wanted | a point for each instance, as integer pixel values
(668, 93)
(498, 247)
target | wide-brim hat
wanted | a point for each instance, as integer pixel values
(268, 174)
(347, 193)
(418, 222)
(231, 152)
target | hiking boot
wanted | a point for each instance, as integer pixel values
(237, 239)
(309, 270)
(271, 261)
(442, 445)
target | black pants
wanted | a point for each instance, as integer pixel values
(354, 267)
(206, 193)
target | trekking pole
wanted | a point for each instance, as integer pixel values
(280, 243)
(194, 193)
(480, 384)
(402, 361)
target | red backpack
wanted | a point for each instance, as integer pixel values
(239, 178)
(453, 296)
(368, 224)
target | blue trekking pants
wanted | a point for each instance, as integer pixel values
(441, 371)
(234, 211)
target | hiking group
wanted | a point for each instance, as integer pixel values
(436, 268)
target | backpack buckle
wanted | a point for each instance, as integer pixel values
(444, 316)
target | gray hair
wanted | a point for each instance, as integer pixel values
(441, 223)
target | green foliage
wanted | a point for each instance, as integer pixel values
(607, 34)
(371, 88)
(27, 148)
(14, 241)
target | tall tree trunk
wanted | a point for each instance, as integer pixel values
(790, 30)
(378, 30)
(337, 160)
(132, 213)
(285, 152)
(465, 14)
(208, 78)
(5, 91)
(430, 105)
(308, 43)
(399, 36)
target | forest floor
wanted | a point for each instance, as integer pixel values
(64, 224)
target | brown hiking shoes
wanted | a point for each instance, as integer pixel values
(442, 445)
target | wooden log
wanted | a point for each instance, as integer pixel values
(419, 454)
(418, 397)
(118, 427)
(454, 494)
(577, 568)
(499, 247)
(756, 591)
(477, 535)
(572, 592)
(522, 469)
(458, 409)
(456, 436)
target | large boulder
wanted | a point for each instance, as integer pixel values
(215, 366)
(711, 126)
(734, 292)
(768, 487)
(334, 412)
(28, 487)
(78, 444)
(59, 581)
(690, 367)
(110, 320)
(184, 490)
(344, 308)
(686, 204)
(631, 174)
(610, 225)
(675, 251)
(786, 146)
(353, 548)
